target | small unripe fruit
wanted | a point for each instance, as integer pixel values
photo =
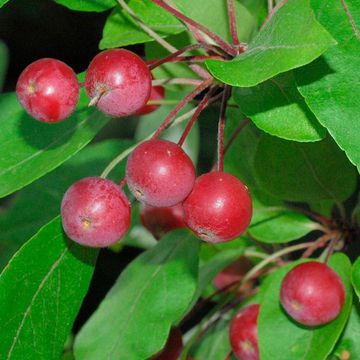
(95, 212)
(219, 207)
(159, 173)
(157, 93)
(312, 293)
(48, 90)
(243, 333)
(118, 82)
(172, 348)
(160, 220)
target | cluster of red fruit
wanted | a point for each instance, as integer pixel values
(95, 211)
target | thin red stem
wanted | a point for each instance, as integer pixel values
(181, 105)
(122, 182)
(235, 133)
(232, 21)
(202, 105)
(221, 42)
(221, 128)
(271, 14)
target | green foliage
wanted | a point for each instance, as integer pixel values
(304, 172)
(151, 295)
(292, 38)
(301, 342)
(276, 107)
(30, 149)
(355, 276)
(41, 291)
(4, 57)
(88, 5)
(329, 84)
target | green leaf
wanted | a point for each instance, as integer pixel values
(330, 85)
(275, 328)
(355, 276)
(88, 5)
(3, 62)
(150, 122)
(3, 2)
(274, 223)
(292, 38)
(151, 295)
(277, 108)
(41, 291)
(22, 219)
(304, 171)
(29, 148)
(213, 15)
(120, 29)
(349, 343)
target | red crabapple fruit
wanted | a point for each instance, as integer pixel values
(118, 82)
(95, 212)
(48, 90)
(312, 293)
(219, 207)
(160, 220)
(173, 347)
(233, 274)
(243, 333)
(159, 173)
(157, 93)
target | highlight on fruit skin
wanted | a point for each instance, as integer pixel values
(312, 293)
(48, 90)
(219, 207)
(95, 212)
(118, 82)
(243, 333)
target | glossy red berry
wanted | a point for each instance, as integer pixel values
(118, 82)
(157, 93)
(95, 212)
(243, 333)
(312, 293)
(219, 207)
(173, 347)
(233, 274)
(159, 173)
(48, 90)
(160, 220)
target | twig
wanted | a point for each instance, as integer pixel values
(272, 13)
(270, 6)
(177, 81)
(318, 243)
(235, 133)
(232, 22)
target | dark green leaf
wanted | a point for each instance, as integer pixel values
(304, 171)
(274, 223)
(88, 5)
(22, 218)
(120, 29)
(41, 291)
(331, 84)
(355, 276)
(349, 344)
(29, 148)
(276, 107)
(151, 295)
(275, 328)
(292, 38)
(3, 62)
(213, 14)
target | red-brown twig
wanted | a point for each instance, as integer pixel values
(232, 22)
(271, 14)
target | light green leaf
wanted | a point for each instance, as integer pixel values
(4, 58)
(304, 171)
(121, 30)
(275, 328)
(331, 84)
(29, 148)
(22, 219)
(151, 295)
(3, 2)
(88, 5)
(41, 291)
(292, 38)
(274, 223)
(355, 276)
(277, 108)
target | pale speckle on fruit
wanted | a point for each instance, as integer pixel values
(296, 306)
(247, 346)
